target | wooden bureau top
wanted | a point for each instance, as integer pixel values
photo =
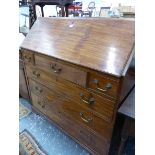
(102, 44)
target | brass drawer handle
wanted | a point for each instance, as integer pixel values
(55, 68)
(89, 101)
(43, 106)
(27, 58)
(87, 120)
(36, 74)
(105, 89)
(38, 89)
(40, 104)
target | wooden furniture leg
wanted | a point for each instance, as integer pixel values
(63, 11)
(66, 10)
(42, 10)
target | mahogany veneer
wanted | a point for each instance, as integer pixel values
(79, 71)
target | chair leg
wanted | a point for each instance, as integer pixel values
(42, 11)
(81, 14)
(89, 14)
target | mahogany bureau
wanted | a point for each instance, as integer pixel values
(79, 71)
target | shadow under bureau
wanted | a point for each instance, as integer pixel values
(78, 72)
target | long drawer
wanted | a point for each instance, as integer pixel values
(83, 135)
(61, 70)
(43, 91)
(101, 106)
(84, 117)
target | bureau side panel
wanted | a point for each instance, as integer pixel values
(127, 82)
(23, 90)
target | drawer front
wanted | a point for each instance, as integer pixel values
(103, 85)
(39, 103)
(62, 70)
(100, 106)
(87, 138)
(43, 91)
(73, 110)
(37, 74)
(97, 104)
(83, 135)
(46, 107)
(28, 57)
(81, 115)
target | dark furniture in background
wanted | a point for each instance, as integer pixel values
(128, 112)
(123, 139)
(61, 3)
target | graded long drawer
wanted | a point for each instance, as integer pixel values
(84, 117)
(62, 70)
(46, 107)
(83, 135)
(43, 91)
(101, 106)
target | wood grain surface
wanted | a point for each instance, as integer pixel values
(23, 90)
(69, 73)
(78, 71)
(102, 44)
(94, 143)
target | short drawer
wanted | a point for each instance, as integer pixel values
(62, 70)
(28, 57)
(103, 85)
